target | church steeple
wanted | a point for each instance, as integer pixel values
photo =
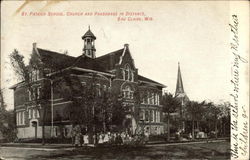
(179, 84)
(89, 44)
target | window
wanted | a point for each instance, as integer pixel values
(35, 93)
(23, 114)
(153, 116)
(65, 132)
(17, 118)
(144, 99)
(142, 115)
(128, 93)
(146, 115)
(55, 131)
(37, 113)
(30, 113)
(148, 96)
(158, 99)
(155, 98)
(29, 92)
(132, 76)
(20, 118)
(34, 113)
(128, 74)
(39, 89)
(158, 118)
(152, 98)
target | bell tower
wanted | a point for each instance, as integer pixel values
(89, 44)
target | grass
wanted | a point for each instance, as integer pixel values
(215, 151)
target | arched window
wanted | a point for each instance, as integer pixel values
(128, 74)
(128, 92)
(142, 114)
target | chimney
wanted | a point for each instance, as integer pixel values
(126, 45)
(34, 45)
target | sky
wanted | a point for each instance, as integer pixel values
(196, 34)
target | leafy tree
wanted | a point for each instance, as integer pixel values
(7, 121)
(93, 109)
(215, 110)
(224, 117)
(170, 105)
(194, 111)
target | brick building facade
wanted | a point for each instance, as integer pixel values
(116, 71)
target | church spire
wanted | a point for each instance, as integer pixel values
(179, 84)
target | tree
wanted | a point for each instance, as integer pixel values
(170, 105)
(215, 114)
(194, 111)
(25, 73)
(7, 122)
(224, 117)
(94, 108)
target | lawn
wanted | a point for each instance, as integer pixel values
(216, 150)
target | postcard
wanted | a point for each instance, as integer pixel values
(124, 80)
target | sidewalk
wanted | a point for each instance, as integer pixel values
(39, 145)
(185, 141)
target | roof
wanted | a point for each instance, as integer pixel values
(89, 34)
(103, 63)
(108, 61)
(88, 63)
(180, 93)
(55, 60)
(144, 79)
(179, 84)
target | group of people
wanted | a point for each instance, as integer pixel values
(116, 138)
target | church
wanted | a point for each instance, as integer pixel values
(182, 98)
(116, 71)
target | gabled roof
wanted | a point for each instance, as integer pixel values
(103, 63)
(144, 79)
(54, 59)
(108, 61)
(88, 63)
